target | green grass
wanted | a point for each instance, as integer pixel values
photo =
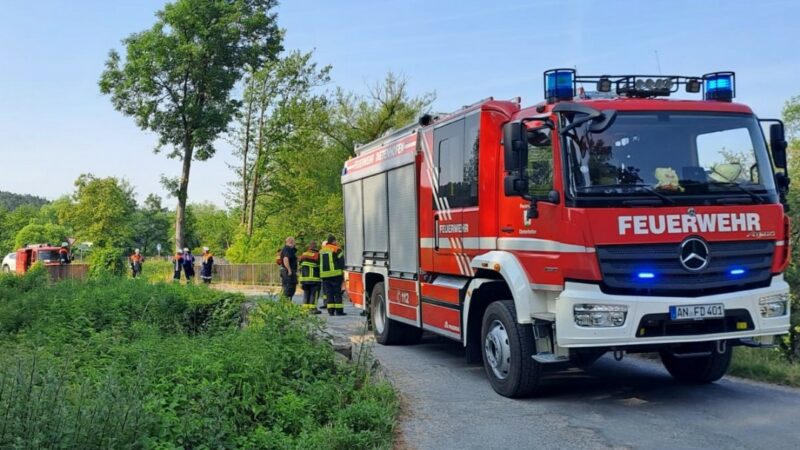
(121, 363)
(764, 365)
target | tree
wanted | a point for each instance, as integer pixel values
(301, 194)
(15, 221)
(271, 90)
(177, 77)
(791, 118)
(103, 209)
(213, 227)
(11, 201)
(360, 119)
(35, 233)
(151, 226)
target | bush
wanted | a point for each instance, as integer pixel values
(106, 262)
(790, 343)
(118, 363)
(156, 270)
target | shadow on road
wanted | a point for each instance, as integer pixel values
(632, 378)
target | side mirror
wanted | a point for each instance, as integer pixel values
(515, 185)
(777, 143)
(515, 145)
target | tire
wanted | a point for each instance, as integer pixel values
(700, 369)
(6, 269)
(386, 330)
(508, 348)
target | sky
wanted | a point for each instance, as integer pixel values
(55, 124)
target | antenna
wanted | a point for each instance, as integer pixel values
(658, 62)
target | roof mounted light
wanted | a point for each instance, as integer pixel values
(720, 86)
(559, 84)
(693, 85)
(604, 84)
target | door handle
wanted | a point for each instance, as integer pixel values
(436, 232)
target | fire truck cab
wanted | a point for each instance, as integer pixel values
(29, 255)
(539, 237)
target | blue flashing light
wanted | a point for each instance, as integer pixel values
(559, 84)
(737, 271)
(719, 86)
(646, 275)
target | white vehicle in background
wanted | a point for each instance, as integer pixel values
(10, 263)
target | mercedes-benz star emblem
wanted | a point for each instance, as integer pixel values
(691, 212)
(694, 254)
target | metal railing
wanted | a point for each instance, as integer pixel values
(263, 274)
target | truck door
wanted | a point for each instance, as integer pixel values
(455, 193)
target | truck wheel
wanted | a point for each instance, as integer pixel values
(698, 369)
(6, 269)
(508, 348)
(386, 330)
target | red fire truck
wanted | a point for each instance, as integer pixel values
(618, 220)
(47, 254)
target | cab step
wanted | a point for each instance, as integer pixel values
(549, 358)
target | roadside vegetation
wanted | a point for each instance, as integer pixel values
(120, 363)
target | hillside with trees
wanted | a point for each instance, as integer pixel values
(10, 201)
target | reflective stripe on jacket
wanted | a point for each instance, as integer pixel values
(331, 261)
(309, 267)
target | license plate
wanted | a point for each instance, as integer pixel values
(684, 312)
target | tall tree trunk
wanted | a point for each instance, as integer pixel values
(245, 187)
(180, 211)
(254, 174)
(251, 210)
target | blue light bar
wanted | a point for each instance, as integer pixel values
(719, 86)
(559, 84)
(737, 271)
(646, 275)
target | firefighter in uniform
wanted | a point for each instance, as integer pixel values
(136, 263)
(177, 266)
(63, 254)
(188, 265)
(332, 273)
(206, 265)
(308, 275)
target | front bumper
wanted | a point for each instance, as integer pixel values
(569, 334)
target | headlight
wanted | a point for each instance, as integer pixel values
(774, 305)
(602, 316)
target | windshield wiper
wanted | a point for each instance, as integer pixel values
(645, 187)
(756, 198)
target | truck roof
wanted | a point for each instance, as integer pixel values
(651, 104)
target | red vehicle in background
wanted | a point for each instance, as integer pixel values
(545, 236)
(48, 254)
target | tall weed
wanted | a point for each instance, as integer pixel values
(120, 363)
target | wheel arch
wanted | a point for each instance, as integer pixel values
(501, 274)
(373, 276)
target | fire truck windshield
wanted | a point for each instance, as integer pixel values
(48, 256)
(669, 157)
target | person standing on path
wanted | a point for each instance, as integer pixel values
(289, 268)
(63, 254)
(331, 271)
(177, 266)
(206, 265)
(136, 263)
(309, 278)
(188, 265)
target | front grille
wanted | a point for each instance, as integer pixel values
(621, 265)
(659, 325)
